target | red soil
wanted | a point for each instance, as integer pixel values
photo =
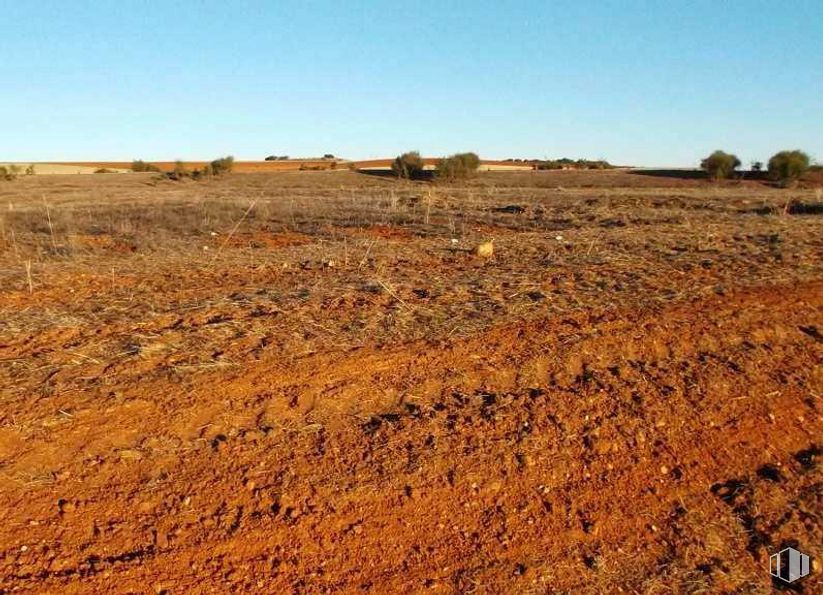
(643, 438)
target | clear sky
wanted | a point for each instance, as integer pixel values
(658, 83)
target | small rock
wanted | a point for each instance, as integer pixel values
(66, 507)
(484, 250)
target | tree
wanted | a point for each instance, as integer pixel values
(408, 165)
(458, 166)
(757, 166)
(221, 166)
(720, 165)
(787, 166)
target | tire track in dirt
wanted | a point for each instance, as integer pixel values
(584, 453)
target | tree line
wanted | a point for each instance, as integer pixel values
(784, 167)
(411, 166)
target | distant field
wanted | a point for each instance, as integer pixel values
(239, 166)
(485, 165)
(72, 167)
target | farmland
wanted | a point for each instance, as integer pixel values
(308, 382)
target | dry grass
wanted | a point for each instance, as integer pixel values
(215, 271)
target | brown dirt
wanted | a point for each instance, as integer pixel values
(626, 398)
(262, 239)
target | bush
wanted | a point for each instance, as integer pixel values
(221, 166)
(720, 165)
(138, 165)
(206, 172)
(458, 166)
(103, 170)
(787, 166)
(9, 172)
(179, 172)
(217, 167)
(566, 163)
(30, 170)
(328, 156)
(408, 165)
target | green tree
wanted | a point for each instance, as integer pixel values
(221, 166)
(458, 166)
(408, 165)
(720, 165)
(787, 166)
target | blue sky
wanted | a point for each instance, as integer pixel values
(649, 83)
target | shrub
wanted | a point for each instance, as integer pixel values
(787, 166)
(720, 165)
(30, 170)
(458, 166)
(138, 165)
(408, 165)
(566, 163)
(215, 168)
(9, 172)
(220, 166)
(179, 172)
(328, 156)
(103, 170)
(206, 172)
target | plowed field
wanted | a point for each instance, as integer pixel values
(301, 383)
